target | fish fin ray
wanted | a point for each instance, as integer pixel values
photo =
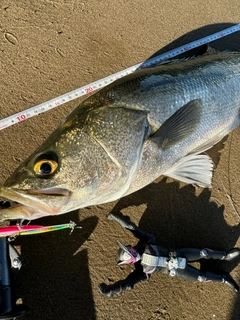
(193, 169)
(180, 125)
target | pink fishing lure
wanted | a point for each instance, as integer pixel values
(11, 231)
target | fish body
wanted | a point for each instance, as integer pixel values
(156, 121)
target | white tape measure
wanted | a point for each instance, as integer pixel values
(45, 106)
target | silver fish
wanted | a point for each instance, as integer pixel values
(154, 122)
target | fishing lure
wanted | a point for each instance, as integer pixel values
(12, 231)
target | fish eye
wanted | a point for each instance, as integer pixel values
(45, 165)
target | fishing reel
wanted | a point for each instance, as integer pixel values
(10, 264)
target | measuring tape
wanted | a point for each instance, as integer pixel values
(45, 106)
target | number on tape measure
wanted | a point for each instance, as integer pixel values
(88, 90)
(21, 117)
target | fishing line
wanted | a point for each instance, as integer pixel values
(55, 102)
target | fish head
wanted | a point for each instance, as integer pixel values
(90, 159)
(64, 174)
(86, 161)
(32, 188)
(37, 187)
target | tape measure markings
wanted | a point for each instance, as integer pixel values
(55, 102)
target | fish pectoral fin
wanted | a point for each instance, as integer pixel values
(180, 125)
(194, 169)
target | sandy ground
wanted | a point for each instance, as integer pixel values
(48, 48)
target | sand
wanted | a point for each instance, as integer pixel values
(48, 48)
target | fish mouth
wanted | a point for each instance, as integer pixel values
(28, 204)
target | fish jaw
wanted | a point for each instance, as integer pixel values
(19, 212)
(26, 206)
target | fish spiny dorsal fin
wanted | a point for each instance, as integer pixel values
(210, 50)
(203, 50)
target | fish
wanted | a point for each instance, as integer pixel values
(154, 122)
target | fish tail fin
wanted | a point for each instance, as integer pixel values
(193, 169)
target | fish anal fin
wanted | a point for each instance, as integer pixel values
(193, 169)
(180, 125)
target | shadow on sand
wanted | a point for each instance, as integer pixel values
(180, 219)
(52, 275)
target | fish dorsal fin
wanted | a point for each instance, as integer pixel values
(194, 169)
(180, 125)
(210, 50)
